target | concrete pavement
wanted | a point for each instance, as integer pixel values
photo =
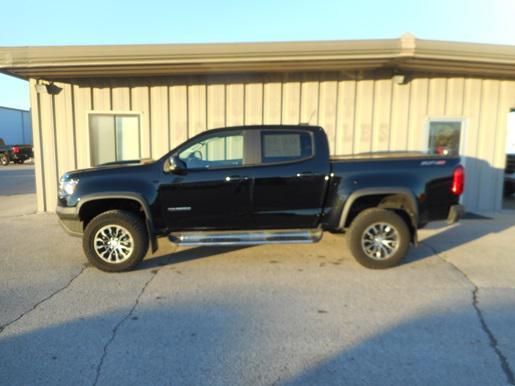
(260, 315)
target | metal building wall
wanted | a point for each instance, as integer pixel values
(15, 126)
(359, 114)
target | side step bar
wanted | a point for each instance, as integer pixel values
(282, 236)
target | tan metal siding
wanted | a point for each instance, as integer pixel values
(359, 114)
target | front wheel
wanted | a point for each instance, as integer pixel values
(115, 241)
(4, 159)
(379, 238)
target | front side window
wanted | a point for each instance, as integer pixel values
(444, 137)
(113, 138)
(214, 151)
(285, 146)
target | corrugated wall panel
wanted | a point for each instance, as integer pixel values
(178, 114)
(140, 103)
(235, 102)
(382, 115)
(82, 97)
(291, 99)
(38, 148)
(346, 111)
(359, 114)
(159, 121)
(485, 195)
(364, 116)
(272, 99)
(64, 129)
(472, 90)
(327, 107)
(215, 105)
(309, 98)
(416, 136)
(400, 115)
(254, 102)
(50, 150)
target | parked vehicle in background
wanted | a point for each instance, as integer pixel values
(14, 153)
(509, 175)
(258, 185)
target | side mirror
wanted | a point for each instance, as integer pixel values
(175, 165)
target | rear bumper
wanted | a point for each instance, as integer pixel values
(456, 212)
(20, 156)
(69, 220)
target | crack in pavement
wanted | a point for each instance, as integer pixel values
(117, 326)
(4, 326)
(503, 361)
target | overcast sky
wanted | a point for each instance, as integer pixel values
(64, 22)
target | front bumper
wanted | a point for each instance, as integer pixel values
(69, 220)
(456, 212)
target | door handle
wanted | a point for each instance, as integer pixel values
(236, 178)
(304, 174)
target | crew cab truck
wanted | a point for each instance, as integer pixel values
(259, 185)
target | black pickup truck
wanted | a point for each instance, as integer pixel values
(259, 185)
(15, 153)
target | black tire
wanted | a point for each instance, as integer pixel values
(19, 161)
(134, 226)
(370, 218)
(4, 159)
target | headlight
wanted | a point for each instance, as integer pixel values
(67, 186)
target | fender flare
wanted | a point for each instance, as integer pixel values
(412, 209)
(126, 196)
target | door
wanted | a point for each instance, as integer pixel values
(214, 193)
(290, 180)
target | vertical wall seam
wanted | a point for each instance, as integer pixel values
(282, 100)
(390, 116)
(408, 122)
(478, 172)
(354, 114)
(301, 83)
(188, 108)
(54, 129)
(74, 126)
(496, 129)
(150, 128)
(336, 103)
(318, 98)
(169, 112)
(262, 100)
(41, 158)
(445, 97)
(372, 115)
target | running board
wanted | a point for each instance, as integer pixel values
(283, 236)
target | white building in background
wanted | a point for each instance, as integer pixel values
(15, 126)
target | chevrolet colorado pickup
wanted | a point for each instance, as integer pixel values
(259, 185)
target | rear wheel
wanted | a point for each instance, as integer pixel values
(379, 238)
(4, 159)
(115, 241)
(19, 161)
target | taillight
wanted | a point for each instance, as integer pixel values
(458, 181)
(16, 149)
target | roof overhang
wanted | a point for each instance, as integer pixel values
(406, 53)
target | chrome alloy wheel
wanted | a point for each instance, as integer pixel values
(380, 241)
(113, 244)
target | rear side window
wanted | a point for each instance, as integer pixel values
(285, 146)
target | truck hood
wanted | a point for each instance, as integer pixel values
(114, 167)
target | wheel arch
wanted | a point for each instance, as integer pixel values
(398, 199)
(92, 205)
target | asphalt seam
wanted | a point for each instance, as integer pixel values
(494, 344)
(4, 326)
(118, 325)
